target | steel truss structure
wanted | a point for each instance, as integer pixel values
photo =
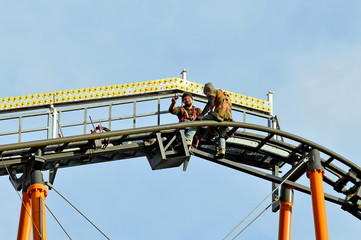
(254, 149)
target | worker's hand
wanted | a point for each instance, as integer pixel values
(175, 98)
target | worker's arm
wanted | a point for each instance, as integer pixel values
(208, 106)
(174, 101)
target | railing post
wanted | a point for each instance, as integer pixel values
(315, 173)
(158, 119)
(20, 127)
(184, 74)
(134, 114)
(271, 123)
(110, 117)
(85, 119)
(55, 119)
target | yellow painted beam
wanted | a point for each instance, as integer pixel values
(126, 89)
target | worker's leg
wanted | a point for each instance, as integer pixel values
(222, 142)
(190, 134)
(192, 131)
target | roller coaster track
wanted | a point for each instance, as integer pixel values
(261, 151)
(243, 150)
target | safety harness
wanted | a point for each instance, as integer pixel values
(186, 115)
(226, 105)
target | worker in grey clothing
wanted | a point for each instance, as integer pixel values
(218, 108)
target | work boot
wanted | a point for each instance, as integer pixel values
(221, 153)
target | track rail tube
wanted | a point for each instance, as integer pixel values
(285, 222)
(87, 137)
(24, 230)
(315, 174)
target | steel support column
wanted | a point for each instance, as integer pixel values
(315, 173)
(37, 192)
(286, 204)
(24, 230)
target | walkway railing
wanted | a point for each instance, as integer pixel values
(69, 113)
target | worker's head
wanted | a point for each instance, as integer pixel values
(187, 99)
(208, 88)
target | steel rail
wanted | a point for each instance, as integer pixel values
(266, 176)
(85, 137)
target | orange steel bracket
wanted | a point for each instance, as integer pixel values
(286, 203)
(38, 192)
(24, 231)
(315, 173)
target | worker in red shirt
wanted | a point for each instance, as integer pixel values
(187, 112)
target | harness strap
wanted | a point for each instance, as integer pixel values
(225, 105)
(217, 99)
(186, 115)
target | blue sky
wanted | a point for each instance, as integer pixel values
(307, 52)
